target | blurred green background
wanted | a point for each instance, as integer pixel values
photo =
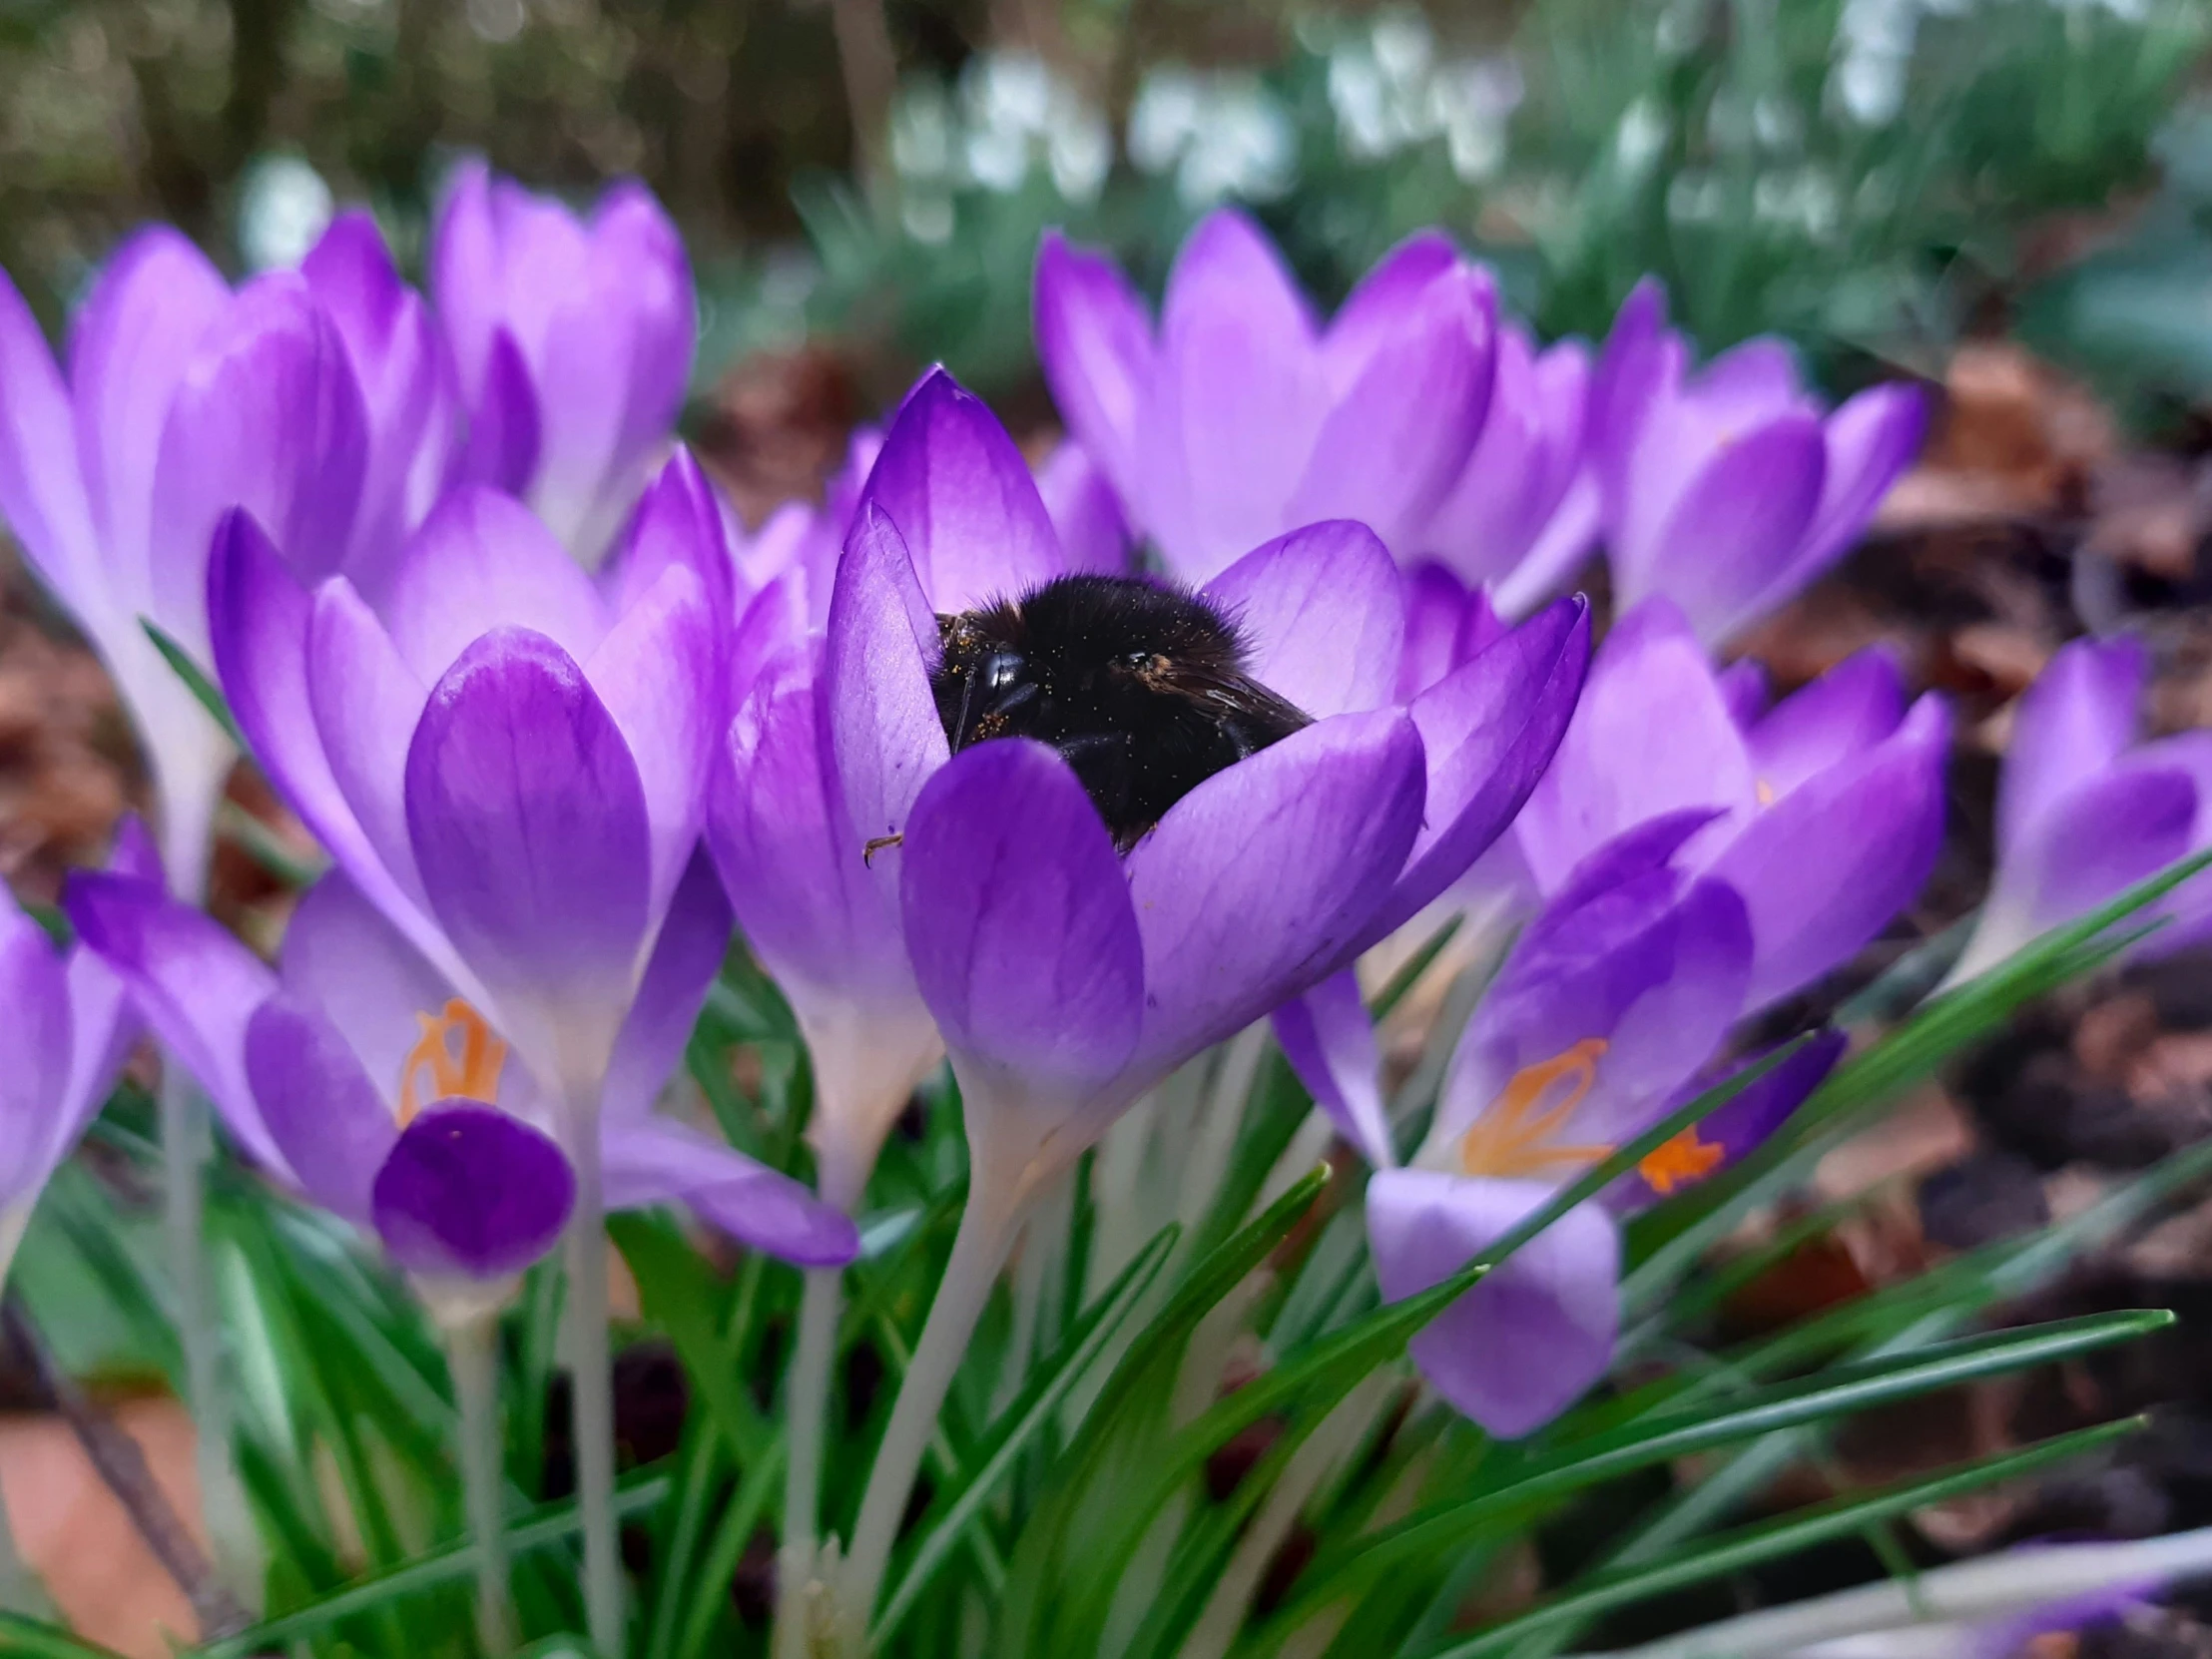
(1872, 178)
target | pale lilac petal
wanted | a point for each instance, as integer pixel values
(342, 957)
(1328, 1037)
(195, 983)
(1087, 513)
(1835, 859)
(1746, 689)
(638, 263)
(1871, 440)
(1323, 615)
(505, 435)
(42, 492)
(1488, 519)
(322, 1110)
(2094, 840)
(367, 701)
(1435, 608)
(1635, 371)
(1847, 711)
(1377, 305)
(1733, 526)
(1094, 343)
(1262, 882)
(2078, 718)
(1536, 1334)
(483, 561)
(694, 940)
(469, 1192)
(679, 522)
(1652, 733)
(648, 1161)
(963, 498)
(34, 988)
(529, 828)
(467, 281)
(1018, 922)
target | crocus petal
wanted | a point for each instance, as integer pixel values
(2071, 725)
(1871, 440)
(464, 272)
(34, 988)
(963, 498)
(648, 1161)
(638, 256)
(504, 440)
(1847, 710)
(1744, 511)
(2097, 840)
(1087, 513)
(1650, 735)
(1329, 1039)
(1322, 614)
(472, 1193)
(1376, 306)
(1094, 343)
(1536, 1334)
(1558, 551)
(1731, 1132)
(1436, 606)
(1259, 882)
(195, 983)
(342, 957)
(367, 701)
(529, 828)
(325, 1115)
(42, 492)
(1018, 922)
(483, 561)
(1832, 863)
(679, 522)
(1745, 689)
(694, 940)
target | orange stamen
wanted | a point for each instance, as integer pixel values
(1682, 1162)
(1764, 792)
(472, 1074)
(1509, 1139)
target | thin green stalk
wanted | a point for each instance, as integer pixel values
(471, 1352)
(592, 1385)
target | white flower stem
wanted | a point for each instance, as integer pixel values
(471, 1354)
(978, 1251)
(805, 1417)
(592, 1383)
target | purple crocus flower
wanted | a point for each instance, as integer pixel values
(1240, 417)
(316, 399)
(573, 342)
(69, 1032)
(1730, 490)
(1830, 805)
(360, 1076)
(2084, 809)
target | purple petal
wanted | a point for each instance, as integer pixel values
(1018, 922)
(1322, 614)
(1511, 483)
(638, 263)
(1329, 1039)
(1744, 688)
(529, 828)
(648, 1162)
(1373, 313)
(42, 492)
(1630, 369)
(1094, 343)
(1397, 438)
(1871, 440)
(678, 523)
(367, 701)
(342, 957)
(694, 940)
(1435, 606)
(467, 281)
(1262, 882)
(504, 440)
(2096, 840)
(1831, 863)
(962, 499)
(483, 561)
(1843, 713)
(34, 988)
(1536, 1334)
(1732, 1132)
(195, 983)
(2078, 718)
(471, 1192)
(325, 1115)
(154, 303)
(1733, 526)
(1086, 514)
(1651, 735)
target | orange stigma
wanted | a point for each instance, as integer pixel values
(1681, 1162)
(472, 1074)
(1764, 792)
(1510, 1138)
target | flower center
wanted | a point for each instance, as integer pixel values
(1513, 1137)
(1765, 793)
(469, 1072)
(1682, 1162)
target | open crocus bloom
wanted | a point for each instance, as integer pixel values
(69, 1030)
(507, 758)
(573, 342)
(1831, 805)
(316, 399)
(1730, 490)
(2084, 810)
(1240, 417)
(1271, 876)
(360, 1076)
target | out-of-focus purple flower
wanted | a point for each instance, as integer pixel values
(1524, 514)
(573, 342)
(316, 399)
(69, 1029)
(1730, 1131)
(950, 516)
(507, 756)
(362, 1077)
(2084, 809)
(1829, 806)
(1729, 491)
(1240, 417)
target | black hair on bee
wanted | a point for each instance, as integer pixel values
(1141, 687)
